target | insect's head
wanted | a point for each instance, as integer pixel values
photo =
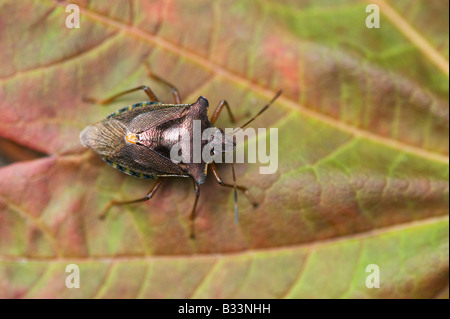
(221, 142)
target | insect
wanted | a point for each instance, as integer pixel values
(138, 140)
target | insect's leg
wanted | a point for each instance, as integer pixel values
(219, 109)
(145, 88)
(149, 195)
(176, 94)
(192, 217)
(241, 188)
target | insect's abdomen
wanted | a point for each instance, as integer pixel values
(127, 170)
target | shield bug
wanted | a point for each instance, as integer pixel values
(138, 140)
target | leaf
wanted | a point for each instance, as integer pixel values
(363, 135)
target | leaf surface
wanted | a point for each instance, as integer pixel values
(363, 137)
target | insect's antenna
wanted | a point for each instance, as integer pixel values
(236, 209)
(262, 110)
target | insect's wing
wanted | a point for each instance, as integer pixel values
(143, 160)
(147, 117)
(104, 137)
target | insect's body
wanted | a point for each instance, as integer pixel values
(138, 139)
